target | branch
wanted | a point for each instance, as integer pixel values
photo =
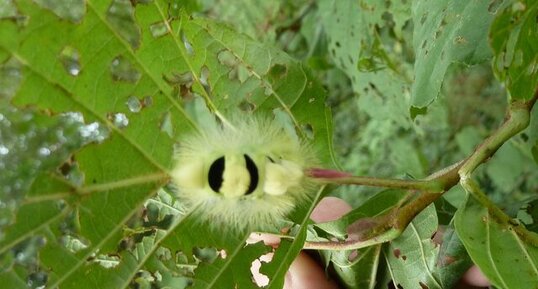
(518, 119)
(432, 187)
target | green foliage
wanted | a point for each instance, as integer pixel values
(95, 96)
(444, 33)
(497, 248)
(512, 38)
(415, 246)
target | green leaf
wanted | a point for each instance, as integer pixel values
(446, 32)
(452, 261)
(355, 268)
(41, 209)
(356, 48)
(377, 205)
(138, 83)
(513, 39)
(411, 258)
(358, 268)
(496, 248)
(288, 250)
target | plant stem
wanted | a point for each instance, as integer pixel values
(386, 236)
(420, 185)
(517, 120)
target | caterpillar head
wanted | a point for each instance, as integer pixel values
(247, 177)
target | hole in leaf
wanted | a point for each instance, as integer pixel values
(494, 6)
(37, 280)
(204, 79)
(73, 244)
(147, 101)
(268, 89)
(106, 261)
(187, 43)
(223, 254)
(247, 106)
(227, 58)
(207, 255)
(179, 78)
(123, 70)
(133, 104)
(70, 59)
(258, 278)
(9, 10)
(166, 124)
(120, 120)
(278, 71)
(158, 29)
(10, 78)
(308, 130)
(120, 15)
(93, 132)
(72, 10)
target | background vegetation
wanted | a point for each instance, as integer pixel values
(96, 94)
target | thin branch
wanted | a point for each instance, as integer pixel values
(439, 181)
(420, 185)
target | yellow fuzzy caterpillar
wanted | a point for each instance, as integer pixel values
(249, 176)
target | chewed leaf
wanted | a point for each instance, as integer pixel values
(136, 69)
(497, 249)
(513, 39)
(415, 246)
(446, 33)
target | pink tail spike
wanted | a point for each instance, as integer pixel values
(327, 173)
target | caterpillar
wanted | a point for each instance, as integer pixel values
(245, 176)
